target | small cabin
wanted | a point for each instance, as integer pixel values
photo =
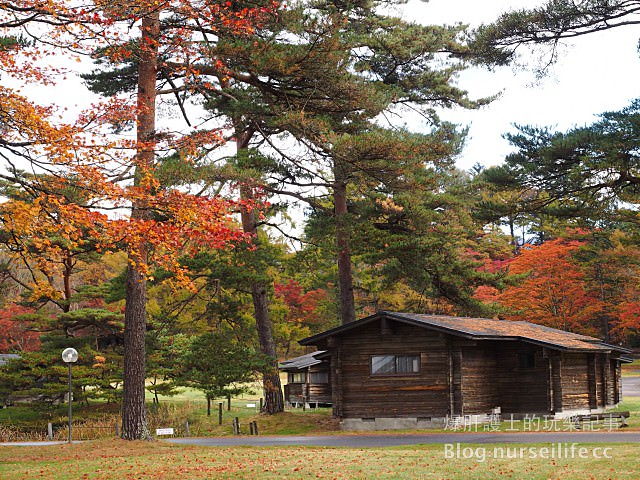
(403, 370)
(308, 380)
(7, 357)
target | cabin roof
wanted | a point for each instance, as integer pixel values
(482, 329)
(5, 357)
(303, 361)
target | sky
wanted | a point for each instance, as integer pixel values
(595, 73)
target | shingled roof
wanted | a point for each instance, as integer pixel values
(5, 357)
(303, 361)
(483, 329)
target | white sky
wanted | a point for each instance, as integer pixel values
(596, 73)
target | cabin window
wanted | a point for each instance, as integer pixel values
(526, 360)
(395, 364)
(298, 377)
(319, 377)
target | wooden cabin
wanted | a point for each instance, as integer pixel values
(403, 370)
(308, 380)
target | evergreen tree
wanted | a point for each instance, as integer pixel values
(547, 25)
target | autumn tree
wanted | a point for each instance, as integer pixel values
(17, 336)
(555, 291)
(299, 314)
(611, 262)
(117, 172)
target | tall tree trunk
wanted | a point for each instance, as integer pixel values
(343, 239)
(134, 419)
(604, 316)
(273, 398)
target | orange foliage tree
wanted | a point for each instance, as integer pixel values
(115, 173)
(554, 292)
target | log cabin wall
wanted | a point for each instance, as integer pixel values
(458, 376)
(607, 380)
(616, 367)
(365, 395)
(575, 381)
(494, 374)
(612, 375)
(554, 359)
(479, 384)
(311, 391)
(318, 388)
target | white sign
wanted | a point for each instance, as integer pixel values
(251, 405)
(164, 431)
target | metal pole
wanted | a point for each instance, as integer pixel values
(70, 397)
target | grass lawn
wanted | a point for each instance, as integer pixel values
(108, 459)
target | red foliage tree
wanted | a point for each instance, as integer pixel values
(301, 312)
(15, 335)
(554, 292)
(302, 307)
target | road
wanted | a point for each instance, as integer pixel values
(386, 440)
(630, 387)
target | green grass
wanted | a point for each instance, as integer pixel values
(98, 419)
(631, 369)
(159, 460)
(21, 422)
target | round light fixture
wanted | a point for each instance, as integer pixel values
(70, 355)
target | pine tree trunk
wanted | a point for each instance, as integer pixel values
(274, 400)
(134, 419)
(343, 238)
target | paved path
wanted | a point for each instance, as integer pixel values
(385, 440)
(630, 387)
(391, 440)
(31, 444)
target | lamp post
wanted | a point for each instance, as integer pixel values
(70, 356)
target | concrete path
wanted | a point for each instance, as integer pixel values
(385, 440)
(630, 387)
(30, 444)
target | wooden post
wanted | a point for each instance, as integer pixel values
(229, 403)
(49, 431)
(250, 428)
(220, 413)
(261, 402)
(304, 403)
(255, 427)
(186, 429)
(236, 426)
(117, 430)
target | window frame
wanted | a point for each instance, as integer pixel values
(292, 377)
(324, 374)
(395, 373)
